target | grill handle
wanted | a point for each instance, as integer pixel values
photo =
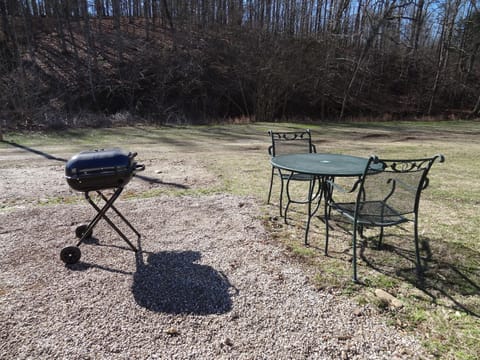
(139, 167)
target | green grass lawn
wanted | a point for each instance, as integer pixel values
(443, 308)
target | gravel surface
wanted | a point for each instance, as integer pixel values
(207, 284)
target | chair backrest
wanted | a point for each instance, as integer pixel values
(395, 183)
(291, 142)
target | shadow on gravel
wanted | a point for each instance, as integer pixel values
(158, 181)
(84, 266)
(35, 151)
(172, 282)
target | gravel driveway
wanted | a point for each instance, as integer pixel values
(207, 284)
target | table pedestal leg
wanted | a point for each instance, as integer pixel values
(326, 213)
(311, 198)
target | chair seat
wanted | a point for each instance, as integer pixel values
(376, 213)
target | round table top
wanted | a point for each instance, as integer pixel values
(321, 164)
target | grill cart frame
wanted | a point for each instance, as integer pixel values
(96, 171)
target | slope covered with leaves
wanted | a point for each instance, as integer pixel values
(99, 73)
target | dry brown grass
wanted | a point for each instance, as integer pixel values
(443, 307)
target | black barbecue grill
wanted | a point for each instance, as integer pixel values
(96, 171)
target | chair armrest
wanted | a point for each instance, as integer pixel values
(270, 148)
(335, 186)
(440, 158)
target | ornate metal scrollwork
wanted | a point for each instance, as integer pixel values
(292, 136)
(406, 166)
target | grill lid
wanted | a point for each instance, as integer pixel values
(101, 169)
(96, 161)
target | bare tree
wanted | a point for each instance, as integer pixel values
(373, 32)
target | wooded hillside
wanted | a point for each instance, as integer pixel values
(172, 61)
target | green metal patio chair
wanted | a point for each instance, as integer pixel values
(387, 194)
(283, 143)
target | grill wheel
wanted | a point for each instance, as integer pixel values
(70, 255)
(79, 231)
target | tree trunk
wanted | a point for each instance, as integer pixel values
(449, 22)
(167, 14)
(89, 44)
(368, 43)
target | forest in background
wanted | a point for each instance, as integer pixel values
(70, 63)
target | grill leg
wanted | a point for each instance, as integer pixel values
(102, 214)
(120, 215)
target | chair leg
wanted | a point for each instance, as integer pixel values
(281, 189)
(360, 231)
(417, 247)
(326, 210)
(281, 192)
(287, 186)
(380, 238)
(271, 185)
(354, 244)
(286, 211)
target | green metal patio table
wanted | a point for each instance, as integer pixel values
(322, 167)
